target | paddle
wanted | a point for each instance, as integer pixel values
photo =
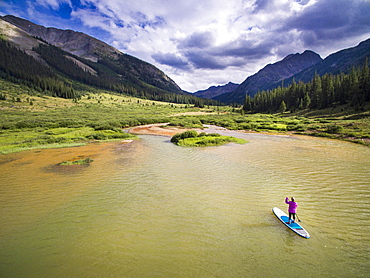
(299, 220)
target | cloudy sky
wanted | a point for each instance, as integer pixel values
(201, 43)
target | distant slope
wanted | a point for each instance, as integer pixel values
(214, 91)
(270, 75)
(336, 63)
(57, 62)
(130, 68)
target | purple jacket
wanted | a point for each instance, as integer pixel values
(292, 206)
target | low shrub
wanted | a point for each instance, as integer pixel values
(186, 122)
(334, 129)
(296, 127)
(187, 134)
(98, 136)
(85, 161)
(192, 139)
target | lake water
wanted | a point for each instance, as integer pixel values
(153, 209)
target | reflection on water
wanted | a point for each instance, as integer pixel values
(150, 208)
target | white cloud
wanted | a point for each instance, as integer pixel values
(208, 42)
(191, 36)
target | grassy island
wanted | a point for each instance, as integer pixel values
(192, 139)
(85, 161)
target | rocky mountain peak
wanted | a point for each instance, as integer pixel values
(272, 74)
(215, 91)
(73, 42)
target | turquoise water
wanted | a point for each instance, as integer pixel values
(153, 209)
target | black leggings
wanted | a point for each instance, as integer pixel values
(291, 214)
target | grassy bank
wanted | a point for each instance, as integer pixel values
(29, 138)
(29, 120)
(341, 123)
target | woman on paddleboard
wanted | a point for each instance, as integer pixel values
(292, 209)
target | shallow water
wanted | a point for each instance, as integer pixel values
(153, 209)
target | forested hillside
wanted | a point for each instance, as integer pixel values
(271, 74)
(18, 67)
(32, 61)
(63, 75)
(322, 92)
(275, 75)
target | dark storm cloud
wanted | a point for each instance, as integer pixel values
(245, 48)
(198, 60)
(232, 54)
(170, 59)
(198, 40)
(204, 60)
(331, 20)
(322, 16)
(216, 59)
(200, 50)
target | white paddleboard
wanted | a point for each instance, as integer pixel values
(295, 227)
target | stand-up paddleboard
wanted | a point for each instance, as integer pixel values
(295, 227)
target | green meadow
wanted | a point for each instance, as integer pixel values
(30, 120)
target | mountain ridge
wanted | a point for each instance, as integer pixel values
(214, 91)
(270, 75)
(341, 61)
(77, 43)
(136, 71)
(69, 57)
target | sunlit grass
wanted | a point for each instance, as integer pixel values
(206, 141)
(191, 138)
(31, 120)
(18, 140)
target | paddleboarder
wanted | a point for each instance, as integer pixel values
(292, 209)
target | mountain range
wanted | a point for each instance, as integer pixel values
(89, 48)
(68, 57)
(215, 91)
(270, 75)
(83, 59)
(300, 67)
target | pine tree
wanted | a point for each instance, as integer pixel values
(365, 80)
(282, 107)
(306, 101)
(247, 103)
(316, 91)
(300, 106)
(327, 90)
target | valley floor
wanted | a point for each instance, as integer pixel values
(31, 121)
(157, 129)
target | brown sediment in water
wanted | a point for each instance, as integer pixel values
(162, 129)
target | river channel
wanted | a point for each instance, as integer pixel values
(153, 209)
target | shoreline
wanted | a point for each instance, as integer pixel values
(161, 129)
